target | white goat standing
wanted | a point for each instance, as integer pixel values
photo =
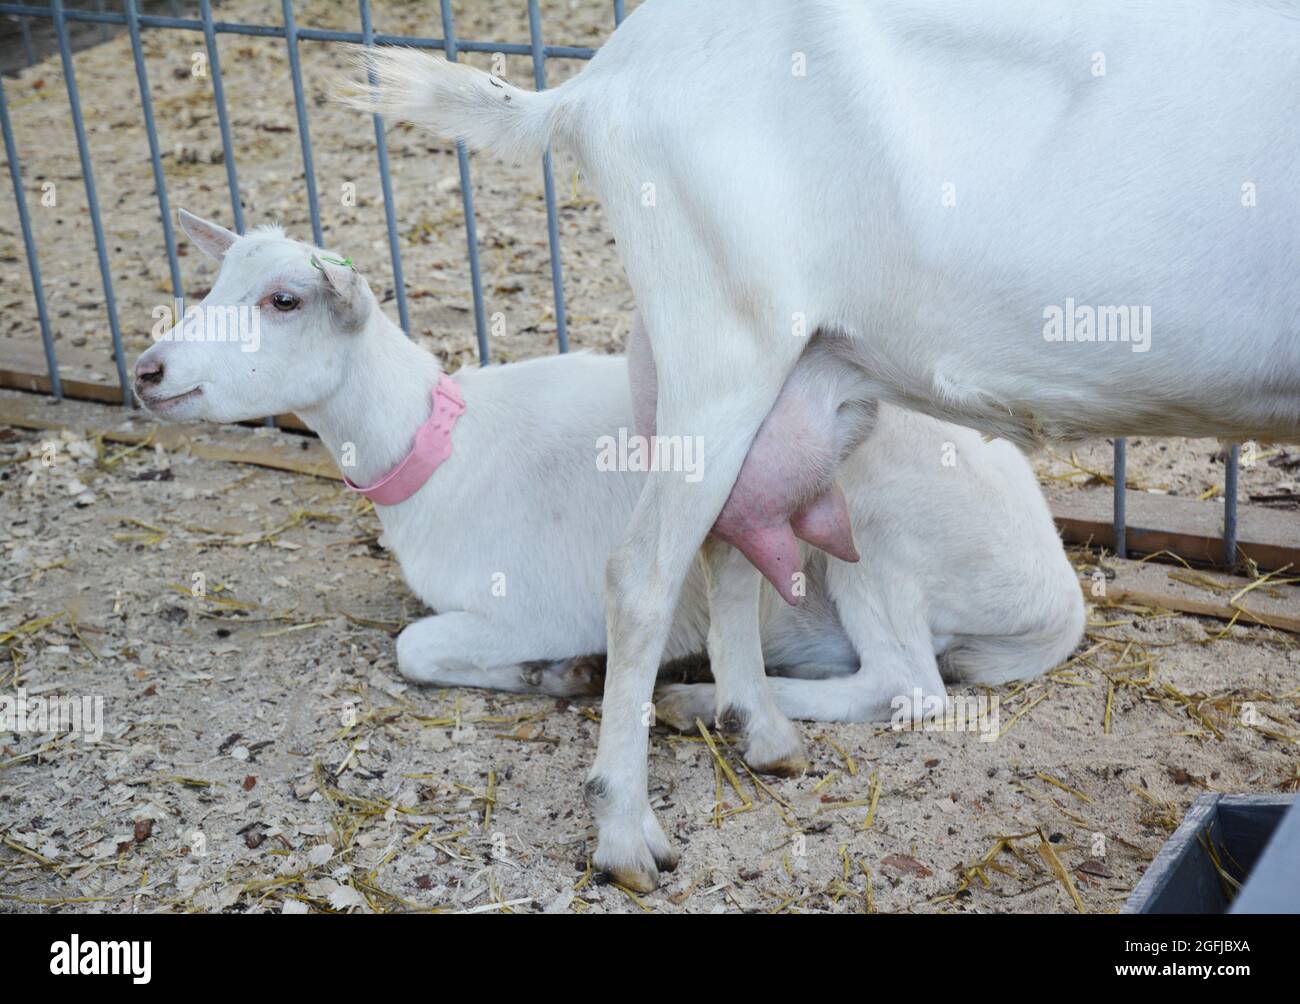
(509, 537)
(932, 181)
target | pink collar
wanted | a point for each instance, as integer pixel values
(431, 447)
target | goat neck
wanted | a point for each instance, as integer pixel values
(383, 398)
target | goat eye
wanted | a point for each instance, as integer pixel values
(284, 301)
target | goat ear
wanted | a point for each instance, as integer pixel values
(347, 290)
(213, 240)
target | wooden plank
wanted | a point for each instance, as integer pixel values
(260, 446)
(1173, 588)
(1186, 527)
(85, 375)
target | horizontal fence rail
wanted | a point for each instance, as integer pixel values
(451, 46)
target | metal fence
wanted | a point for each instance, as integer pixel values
(60, 17)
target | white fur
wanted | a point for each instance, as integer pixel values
(822, 196)
(508, 540)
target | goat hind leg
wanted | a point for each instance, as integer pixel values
(742, 702)
(721, 399)
(464, 649)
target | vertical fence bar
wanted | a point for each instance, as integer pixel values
(223, 117)
(390, 217)
(26, 32)
(295, 71)
(88, 176)
(548, 182)
(467, 200)
(155, 157)
(223, 123)
(618, 13)
(33, 266)
(1230, 506)
(1121, 530)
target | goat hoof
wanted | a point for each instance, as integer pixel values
(644, 880)
(585, 675)
(791, 766)
(677, 705)
(531, 673)
(633, 851)
(638, 880)
(776, 748)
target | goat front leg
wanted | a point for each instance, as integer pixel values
(718, 401)
(741, 700)
(463, 649)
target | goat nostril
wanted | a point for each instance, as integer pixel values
(150, 372)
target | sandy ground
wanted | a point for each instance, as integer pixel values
(261, 752)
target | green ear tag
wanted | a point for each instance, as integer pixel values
(345, 262)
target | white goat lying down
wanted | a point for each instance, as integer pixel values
(1039, 218)
(509, 536)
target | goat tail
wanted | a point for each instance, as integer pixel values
(456, 102)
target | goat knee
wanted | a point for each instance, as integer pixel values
(636, 601)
